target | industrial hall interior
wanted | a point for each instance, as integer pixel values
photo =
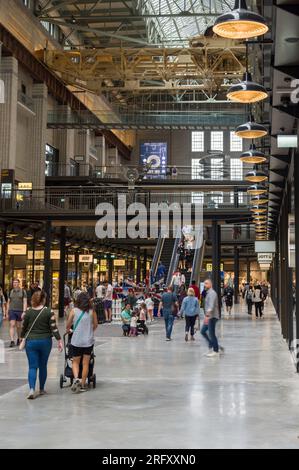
(149, 197)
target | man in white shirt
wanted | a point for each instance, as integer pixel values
(100, 291)
(178, 279)
(108, 301)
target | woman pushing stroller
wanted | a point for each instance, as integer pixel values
(82, 322)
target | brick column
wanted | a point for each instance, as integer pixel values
(8, 113)
(39, 135)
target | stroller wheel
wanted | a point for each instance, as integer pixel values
(61, 381)
(94, 381)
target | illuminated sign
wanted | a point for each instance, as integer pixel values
(265, 258)
(119, 263)
(86, 259)
(209, 267)
(17, 250)
(265, 247)
(25, 186)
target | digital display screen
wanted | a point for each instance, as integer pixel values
(153, 156)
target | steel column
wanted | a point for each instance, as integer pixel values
(48, 263)
(62, 276)
(237, 274)
(216, 259)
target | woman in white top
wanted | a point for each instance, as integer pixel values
(150, 307)
(83, 320)
(258, 301)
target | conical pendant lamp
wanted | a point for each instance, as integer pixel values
(256, 176)
(257, 189)
(247, 91)
(240, 23)
(251, 130)
(253, 156)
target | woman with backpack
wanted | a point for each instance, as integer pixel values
(258, 301)
(190, 309)
(249, 299)
(83, 322)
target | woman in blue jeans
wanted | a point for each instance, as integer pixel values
(39, 327)
(190, 308)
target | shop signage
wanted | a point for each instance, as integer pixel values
(7, 176)
(265, 247)
(209, 267)
(25, 186)
(55, 255)
(265, 258)
(17, 250)
(86, 259)
(39, 254)
(119, 263)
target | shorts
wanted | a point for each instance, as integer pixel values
(15, 315)
(107, 304)
(79, 352)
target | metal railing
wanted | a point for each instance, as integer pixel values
(84, 199)
(25, 100)
(142, 174)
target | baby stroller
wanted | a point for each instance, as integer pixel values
(142, 328)
(68, 372)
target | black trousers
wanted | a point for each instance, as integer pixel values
(249, 306)
(258, 309)
(190, 322)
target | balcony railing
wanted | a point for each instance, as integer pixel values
(25, 100)
(74, 200)
(139, 173)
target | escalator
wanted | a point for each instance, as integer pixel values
(166, 252)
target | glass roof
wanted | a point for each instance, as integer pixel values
(177, 30)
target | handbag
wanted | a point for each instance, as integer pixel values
(23, 342)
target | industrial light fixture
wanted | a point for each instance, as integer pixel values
(258, 217)
(42, 239)
(253, 156)
(251, 130)
(259, 209)
(247, 91)
(240, 23)
(29, 237)
(257, 200)
(257, 189)
(256, 176)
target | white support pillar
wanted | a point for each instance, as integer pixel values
(8, 113)
(39, 135)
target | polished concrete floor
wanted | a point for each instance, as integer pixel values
(153, 394)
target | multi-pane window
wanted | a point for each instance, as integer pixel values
(216, 197)
(198, 198)
(198, 141)
(236, 142)
(216, 168)
(236, 169)
(197, 169)
(240, 197)
(217, 140)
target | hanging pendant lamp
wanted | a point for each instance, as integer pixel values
(240, 23)
(257, 189)
(253, 156)
(259, 209)
(251, 130)
(258, 200)
(256, 176)
(247, 91)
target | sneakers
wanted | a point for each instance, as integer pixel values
(186, 337)
(12, 344)
(213, 354)
(168, 339)
(31, 395)
(76, 386)
(42, 392)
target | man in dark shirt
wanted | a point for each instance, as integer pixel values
(169, 303)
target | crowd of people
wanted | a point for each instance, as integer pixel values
(32, 324)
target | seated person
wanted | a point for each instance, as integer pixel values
(126, 319)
